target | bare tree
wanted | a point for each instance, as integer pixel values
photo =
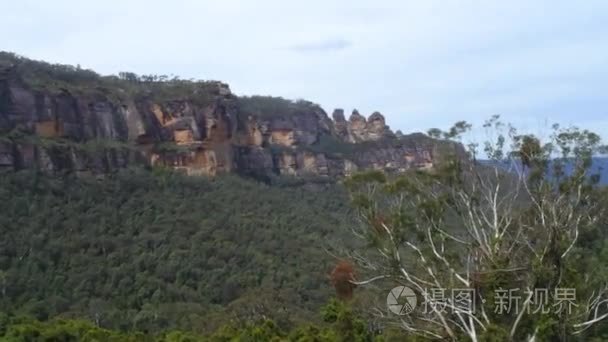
(493, 249)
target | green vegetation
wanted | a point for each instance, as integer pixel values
(61, 148)
(269, 107)
(170, 147)
(528, 246)
(154, 251)
(332, 146)
(57, 78)
(339, 323)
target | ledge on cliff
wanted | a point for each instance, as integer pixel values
(271, 107)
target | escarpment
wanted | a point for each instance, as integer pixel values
(59, 118)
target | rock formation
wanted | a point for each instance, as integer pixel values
(340, 124)
(62, 119)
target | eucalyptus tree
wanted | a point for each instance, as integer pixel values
(501, 240)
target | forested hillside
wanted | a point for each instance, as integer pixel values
(149, 208)
(149, 251)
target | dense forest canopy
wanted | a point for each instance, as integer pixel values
(151, 251)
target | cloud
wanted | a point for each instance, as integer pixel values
(322, 46)
(421, 63)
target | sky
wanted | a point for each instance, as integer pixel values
(422, 64)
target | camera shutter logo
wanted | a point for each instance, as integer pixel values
(401, 300)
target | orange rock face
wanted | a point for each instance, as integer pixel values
(158, 113)
(283, 138)
(309, 163)
(49, 129)
(183, 136)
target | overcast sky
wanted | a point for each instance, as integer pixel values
(421, 63)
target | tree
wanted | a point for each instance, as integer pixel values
(470, 237)
(128, 76)
(342, 278)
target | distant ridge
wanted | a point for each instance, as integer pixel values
(599, 166)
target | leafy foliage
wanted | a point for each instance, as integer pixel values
(57, 78)
(145, 251)
(268, 107)
(340, 323)
(536, 226)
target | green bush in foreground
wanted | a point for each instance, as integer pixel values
(340, 323)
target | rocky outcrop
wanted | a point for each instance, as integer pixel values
(340, 124)
(376, 127)
(358, 129)
(101, 124)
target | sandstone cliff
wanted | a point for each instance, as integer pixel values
(59, 118)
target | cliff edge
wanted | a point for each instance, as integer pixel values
(61, 118)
